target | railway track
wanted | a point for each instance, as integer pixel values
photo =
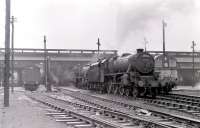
(76, 118)
(128, 109)
(113, 116)
(183, 103)
(79, 114)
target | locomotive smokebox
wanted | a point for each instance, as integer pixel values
(140, 50)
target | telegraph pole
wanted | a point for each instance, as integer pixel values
(163, 27)
(193, 71)
(45, 63)
(98, 44)
(46, 67)
(163, 30)
(12, 54)
(7, 55)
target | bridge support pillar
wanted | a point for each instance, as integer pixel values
(19, 79)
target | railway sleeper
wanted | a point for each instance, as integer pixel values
(182, 107)
(187, 98)
(188, 101)
(169, 105)
(68, 119)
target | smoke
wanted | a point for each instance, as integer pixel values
(137, 17)
(99, 56)
(54, 77)
(94, 59)
(197, 86)
(68, 75)
(190, 88)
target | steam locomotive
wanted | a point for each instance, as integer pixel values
(129, 75)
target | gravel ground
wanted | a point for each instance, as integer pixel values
(25, 113)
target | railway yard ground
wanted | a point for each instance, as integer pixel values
(23, 112)
(42, 110)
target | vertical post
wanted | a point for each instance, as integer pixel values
(48, 74)
(163, 30)
(45, 63)
(193, 71)
(98, 44)
(46, 67)
(12, 55)
(7, 55)
(99, 72)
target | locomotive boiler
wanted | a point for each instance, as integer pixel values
(141, 62)
(129, 74)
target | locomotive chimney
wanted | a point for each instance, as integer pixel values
(140, 50)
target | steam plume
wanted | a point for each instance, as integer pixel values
(138, 16)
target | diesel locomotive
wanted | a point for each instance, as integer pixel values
(129, 75)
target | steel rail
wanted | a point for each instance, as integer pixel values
(184, 103)
(110, 112)
(63, 108)
(169, 116)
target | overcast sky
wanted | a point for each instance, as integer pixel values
(120, 24)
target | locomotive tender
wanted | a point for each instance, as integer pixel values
(129, 74)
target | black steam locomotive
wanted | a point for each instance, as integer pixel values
(129, 75)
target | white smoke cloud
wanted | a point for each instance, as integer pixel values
(138, 16)
(120, 24)
(137, 19)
